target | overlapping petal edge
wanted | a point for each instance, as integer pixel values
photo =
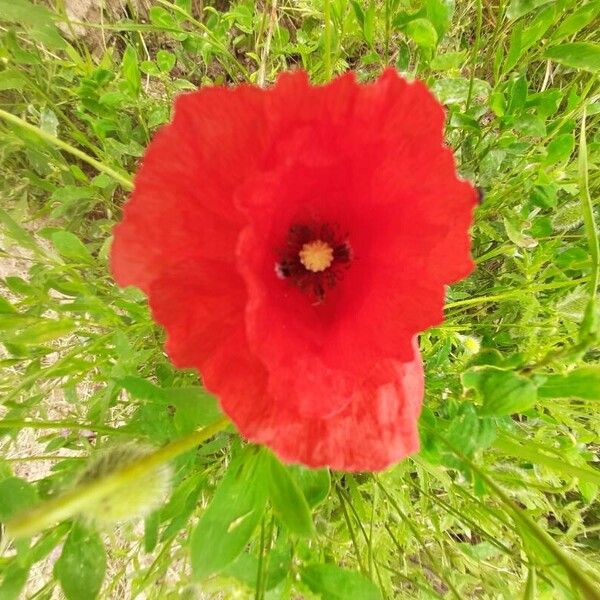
(337, 383)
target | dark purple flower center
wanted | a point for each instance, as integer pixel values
(314, 258)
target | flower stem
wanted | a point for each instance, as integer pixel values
(124, 180)
(475, 54)
(327, 40)
(74, 501)
(589, 324)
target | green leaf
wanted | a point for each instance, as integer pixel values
(15, 495)
(560, 149)
(359, 13)
(581, 383)
(578, 20)
(519, 8)
(81, 565)
(18, 233)
(141, 388)
(331, 582)
(194, 407)
(165, 60)
(44, 331)
(71, 247)
(13, 583)
(237, 506)
(36, 18)
(579, 55)
(288, 501)
(502, 392)
(11, 79)
(314, 483)
(439, 15)
(422, 32)
(130, 71)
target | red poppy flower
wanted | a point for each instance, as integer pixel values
(293, 241)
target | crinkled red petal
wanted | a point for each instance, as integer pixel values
(336, 383)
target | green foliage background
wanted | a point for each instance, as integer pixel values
(502, 500)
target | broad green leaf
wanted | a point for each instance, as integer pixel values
(81, 565)
(422, 32)
(581, 383)
(578, 20)
(15, 578)
(194, 407)
(11, 79)
(288, 501)
(314, 483)
(165, 60)
(71, 247)
(438, 12)
(331, 582)
(7, 310)
(448, 61)
(235, 510)
(131, 71)
(560, 149)
(519, 8)
(15, 495)
(141, 388)
(502, 392)
(578, 55)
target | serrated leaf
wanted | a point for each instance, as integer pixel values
(236, 508)
(288, 501)
(81, 565)
(331, 582)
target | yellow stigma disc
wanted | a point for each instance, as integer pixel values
(316, 256)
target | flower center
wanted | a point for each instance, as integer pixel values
(313, 258)
(316, 256)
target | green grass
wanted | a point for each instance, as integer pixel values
(502, 500)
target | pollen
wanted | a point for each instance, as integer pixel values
(316, 256)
